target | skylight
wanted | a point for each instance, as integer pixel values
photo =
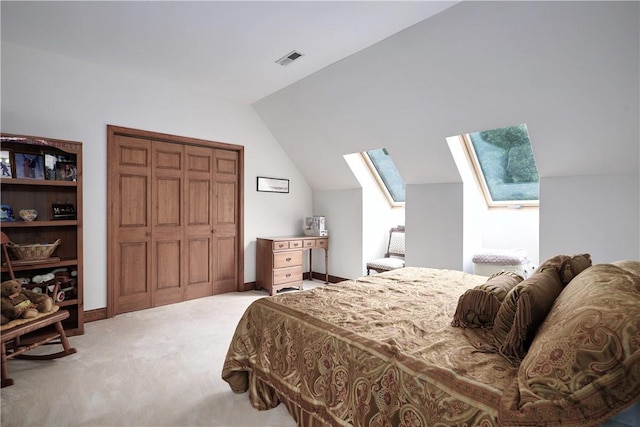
(503, 162)
(386, 173)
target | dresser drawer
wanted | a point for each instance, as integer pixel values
(287, 275)
(281, 245)
(295, 244)
(309, 243)
(322, 243)
(287, 259)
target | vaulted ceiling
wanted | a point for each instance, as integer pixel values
(225, 48)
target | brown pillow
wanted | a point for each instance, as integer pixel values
(579, 263)
(567, 266)
(478, 307)
(583, 366)
(522, 311)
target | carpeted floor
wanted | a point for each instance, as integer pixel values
(156, 367)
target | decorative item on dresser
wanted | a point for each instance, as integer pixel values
(40, 233)
(279, 261)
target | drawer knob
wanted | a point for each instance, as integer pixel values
(280, 245)
(288, 259)
(288, 275)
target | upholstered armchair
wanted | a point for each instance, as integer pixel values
(394, 258)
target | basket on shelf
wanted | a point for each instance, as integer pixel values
(35, 251)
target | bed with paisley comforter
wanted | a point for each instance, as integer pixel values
(381, 351)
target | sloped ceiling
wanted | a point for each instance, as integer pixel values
(225, 48)
(569, 70)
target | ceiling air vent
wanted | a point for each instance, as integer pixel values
(289, 58)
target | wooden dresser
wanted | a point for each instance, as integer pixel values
(279, 261)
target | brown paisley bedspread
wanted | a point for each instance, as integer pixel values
(377, 351)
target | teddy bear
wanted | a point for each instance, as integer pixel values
(21, 303)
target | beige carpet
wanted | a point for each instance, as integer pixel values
(156, 367)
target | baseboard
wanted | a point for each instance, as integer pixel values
(321, 276)
(93, 315)
(250, 286)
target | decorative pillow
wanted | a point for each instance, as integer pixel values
(567, 266)
(583, 366)
(478, 307)
(522, 311)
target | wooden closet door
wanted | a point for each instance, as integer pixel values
(131, 246)
(175, 223)
(199, 228)
(225, 221)
(168, 226)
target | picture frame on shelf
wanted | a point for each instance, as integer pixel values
(29, 166)
(63, 211)
(66, 171)
(5, 164)
(6, 213)
(273, 185)
(50, 166)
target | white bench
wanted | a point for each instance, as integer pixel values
(490, 261)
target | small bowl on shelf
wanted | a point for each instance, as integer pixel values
(28, 214)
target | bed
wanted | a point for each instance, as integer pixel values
(382, 351)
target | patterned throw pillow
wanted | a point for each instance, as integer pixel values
(478, 307)
(583, 366)
(522, 311)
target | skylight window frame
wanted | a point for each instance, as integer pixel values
(472, 158)
(381, 184)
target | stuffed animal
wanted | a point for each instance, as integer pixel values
(21, 303)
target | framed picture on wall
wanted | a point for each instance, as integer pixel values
(273, 185)
(5, 164)
(30, 166)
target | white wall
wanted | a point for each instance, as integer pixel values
(434, 236)
(506, 228)
(594, 214)
(567, 69)
(52, 96)
(343, 212)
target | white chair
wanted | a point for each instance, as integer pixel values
(394, 258)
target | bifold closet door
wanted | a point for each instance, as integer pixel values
(131, 246)
(199, 228)
(226, 221)
(167, 213)
(175, 221)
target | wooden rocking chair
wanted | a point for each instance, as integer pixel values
(26, 336)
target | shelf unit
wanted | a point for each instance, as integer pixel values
(41, 194)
